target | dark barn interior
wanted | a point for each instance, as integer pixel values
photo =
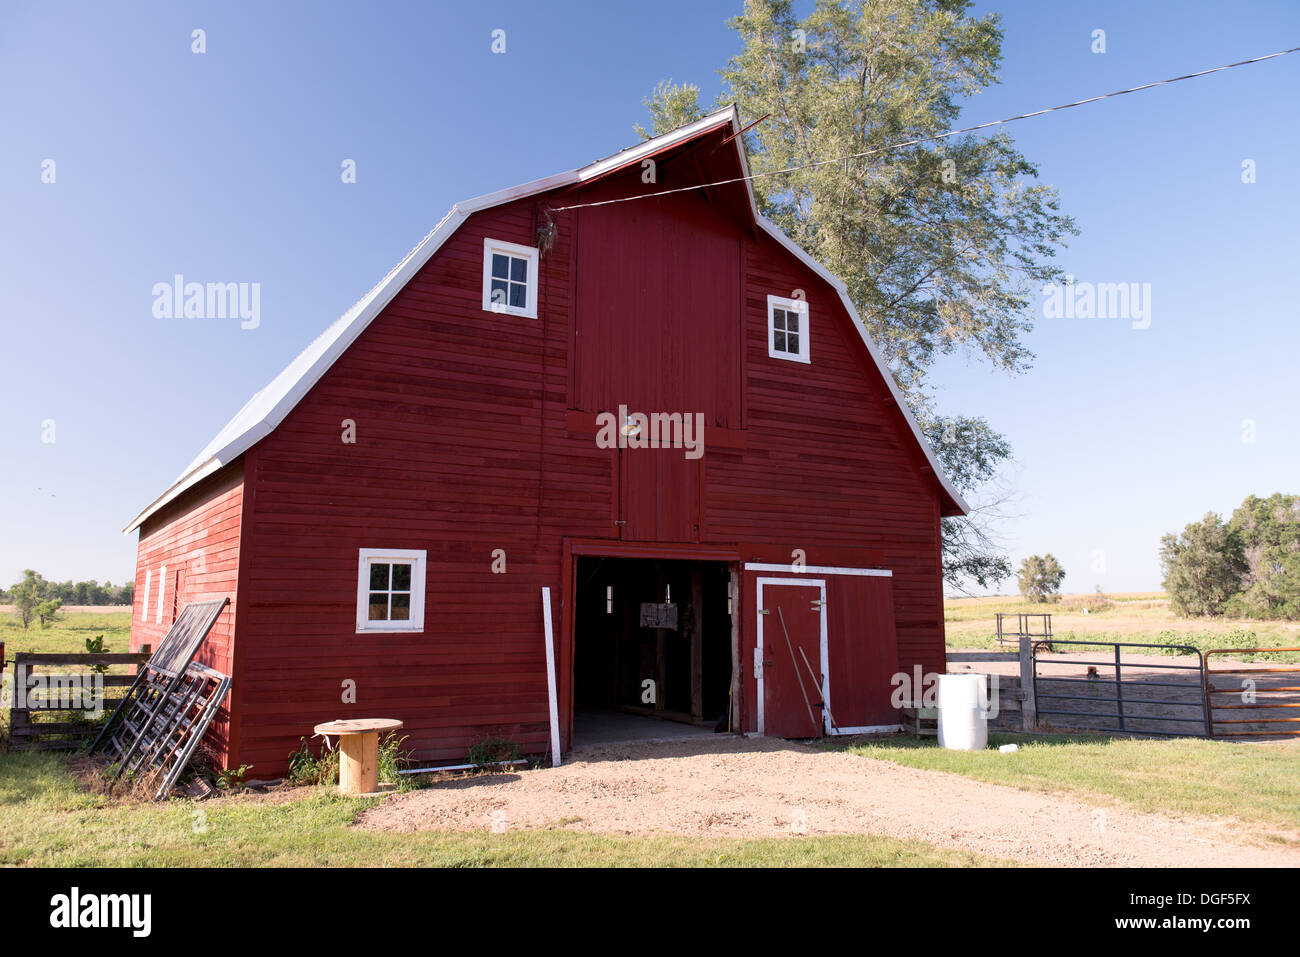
(653, 638)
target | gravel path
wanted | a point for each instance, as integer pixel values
(746, 788)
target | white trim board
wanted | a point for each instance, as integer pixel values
(144, 605)
(820, 585)
(553, 699)
(818, 570)
(268, 408)
(162, 592)
(869, 729)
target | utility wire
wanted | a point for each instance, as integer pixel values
(936, 136)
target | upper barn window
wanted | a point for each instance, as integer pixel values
(510, 278)
(787, 329)
(390, 590)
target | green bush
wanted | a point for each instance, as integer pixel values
(306, 767)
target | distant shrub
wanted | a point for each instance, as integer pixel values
(1095, 604)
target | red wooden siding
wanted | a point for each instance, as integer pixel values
(475, 432)
(460, 419)
(658, 307)
(197, 539)
(829, 461)
(863, 652)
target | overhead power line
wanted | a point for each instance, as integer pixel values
(935, 136)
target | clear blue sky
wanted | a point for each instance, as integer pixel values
(225, 166)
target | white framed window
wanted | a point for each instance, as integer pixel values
(787, 329)
(390, 589)
(510, 278)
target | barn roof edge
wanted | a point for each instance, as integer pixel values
(268, 407)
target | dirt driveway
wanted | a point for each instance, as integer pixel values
(737, 788)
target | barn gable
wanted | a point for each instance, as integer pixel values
(461, 441)
(269, 407)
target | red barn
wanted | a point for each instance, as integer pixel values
(661, 410)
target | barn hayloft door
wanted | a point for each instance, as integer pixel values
(658, 496)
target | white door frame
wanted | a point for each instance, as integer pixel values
(820, 585)
(826, 664)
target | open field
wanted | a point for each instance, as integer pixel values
(1138, 617)
(70, 633)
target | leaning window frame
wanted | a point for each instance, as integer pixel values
(800, 308)
(533, 257)
(418, 559)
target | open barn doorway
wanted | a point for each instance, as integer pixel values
(652, 649)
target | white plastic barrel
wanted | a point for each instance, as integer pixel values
(963, 725)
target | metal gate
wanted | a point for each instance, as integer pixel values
(1255, 696)
(1109, 698)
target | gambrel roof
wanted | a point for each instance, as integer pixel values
(268, 408)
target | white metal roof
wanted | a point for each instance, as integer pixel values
(268, 408)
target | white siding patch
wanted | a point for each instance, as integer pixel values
(162, 590)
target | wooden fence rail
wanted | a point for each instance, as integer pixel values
(50, 687)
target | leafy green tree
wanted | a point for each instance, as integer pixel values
(671, 105)
(1268, 531)
(27, 595)
(48, 611)
(942, 243)
(1203, 566)
(1040, 578)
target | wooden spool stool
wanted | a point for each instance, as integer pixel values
(358, 751)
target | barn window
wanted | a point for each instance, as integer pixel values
(787, 329)
(390, 590)
(510, 278)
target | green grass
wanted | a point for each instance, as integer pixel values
(47, 821)
(1257, 783)
(69, 634)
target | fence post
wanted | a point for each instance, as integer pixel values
(19, 717)
(1028, 707)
